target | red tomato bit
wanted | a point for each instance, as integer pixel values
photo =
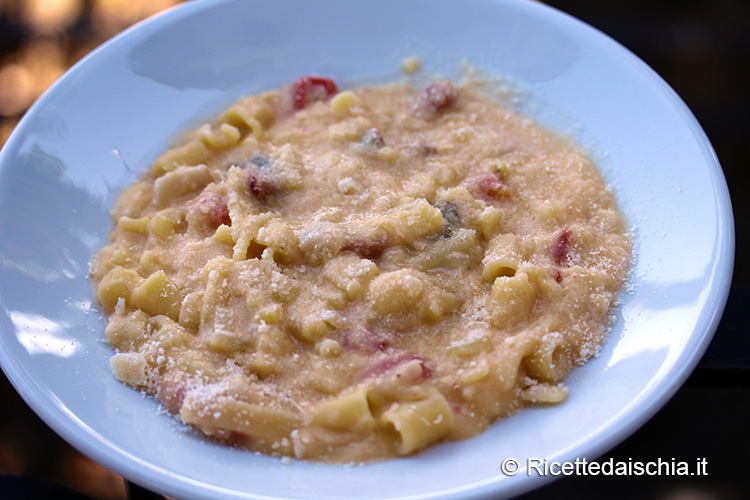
(435, 97)
(310, 89)
(557, 274)
(368, 249)
(490, 187)
(260, 185)
(214, 207)
(561, 247)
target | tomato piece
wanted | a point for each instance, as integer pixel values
(214, 207)
(260, 185)
(436, 97)
(561, 247)
(368, 249)
(490, 187)
(309, 89)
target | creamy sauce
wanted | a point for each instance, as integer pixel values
(354, 276)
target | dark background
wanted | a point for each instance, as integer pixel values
(701, 48)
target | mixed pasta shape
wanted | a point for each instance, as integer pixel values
(355, 275)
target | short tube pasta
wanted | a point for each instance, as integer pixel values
(419, 423)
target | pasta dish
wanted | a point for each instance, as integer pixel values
(354, 275)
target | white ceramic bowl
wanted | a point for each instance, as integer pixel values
(107, 119)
